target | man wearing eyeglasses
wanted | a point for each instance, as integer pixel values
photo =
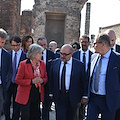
(83, 55)
(115, 47)
(68, 83)
(104, 87)
(17, 55)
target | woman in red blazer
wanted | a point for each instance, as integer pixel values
(31, 78)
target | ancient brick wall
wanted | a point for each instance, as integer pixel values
(71, 8)
(26, 23)
(10, 16)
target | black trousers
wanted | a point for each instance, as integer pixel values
(7, 102)
(30, 111)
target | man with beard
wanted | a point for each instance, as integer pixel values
(84, 55)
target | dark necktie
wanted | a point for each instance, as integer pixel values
(63, 88)
(112, 49)
(97, 73)
(84, 60)
(14, 68)
(42, 56)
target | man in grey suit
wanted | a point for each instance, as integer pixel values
(4, 69)
(104, 82)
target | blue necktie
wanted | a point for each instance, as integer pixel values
(14, 68)
(97, 74)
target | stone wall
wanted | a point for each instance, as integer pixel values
(10, 16)
(115, 27)
(26, 25)
(71, 8)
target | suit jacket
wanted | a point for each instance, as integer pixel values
(57, 55)
(5, 69)
(76, 55)
(117, 48)
(78, 85)
(49, 57)
(112, 82)
(23, 79)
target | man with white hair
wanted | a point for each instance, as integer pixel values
(52, 47)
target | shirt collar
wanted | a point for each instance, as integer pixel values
(107, 55)
(86, 52)
(114, 46)
(44, 52)
(18, 52)
(68, 62)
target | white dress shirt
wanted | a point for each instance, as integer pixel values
(67, 75)
(86, 56)
(44, 56)
(18, 56)
(114, 47)
(102, 78)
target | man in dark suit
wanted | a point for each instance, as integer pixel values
(104, 87)
(114, 46)
(17, 55)
(68, 84)
(5, 68)
(83, 55)
(53, 47)
(48, 56)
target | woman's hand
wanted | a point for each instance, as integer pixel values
(37, 80)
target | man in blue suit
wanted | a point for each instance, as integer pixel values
(83, 55)
(104, 83)
(48, 56)
(115, 47)
(68, 84)
(5, 69)
(16, 43)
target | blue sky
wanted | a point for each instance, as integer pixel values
(103, 13)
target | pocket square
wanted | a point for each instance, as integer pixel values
(115, 68)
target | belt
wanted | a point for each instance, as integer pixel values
(97, 95)
(67, 91)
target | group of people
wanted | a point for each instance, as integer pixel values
(74, 78)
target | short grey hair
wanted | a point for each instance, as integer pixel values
(41, 38)
(33, 50)
(53, 42)
(3, 33)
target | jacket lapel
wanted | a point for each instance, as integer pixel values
(93, 63)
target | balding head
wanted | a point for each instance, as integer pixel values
(112, 35)
(66, 52)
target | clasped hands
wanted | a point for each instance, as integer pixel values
(37, 80)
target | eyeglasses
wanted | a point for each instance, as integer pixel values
(97, 43)
(64, 54)
(15, 45)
